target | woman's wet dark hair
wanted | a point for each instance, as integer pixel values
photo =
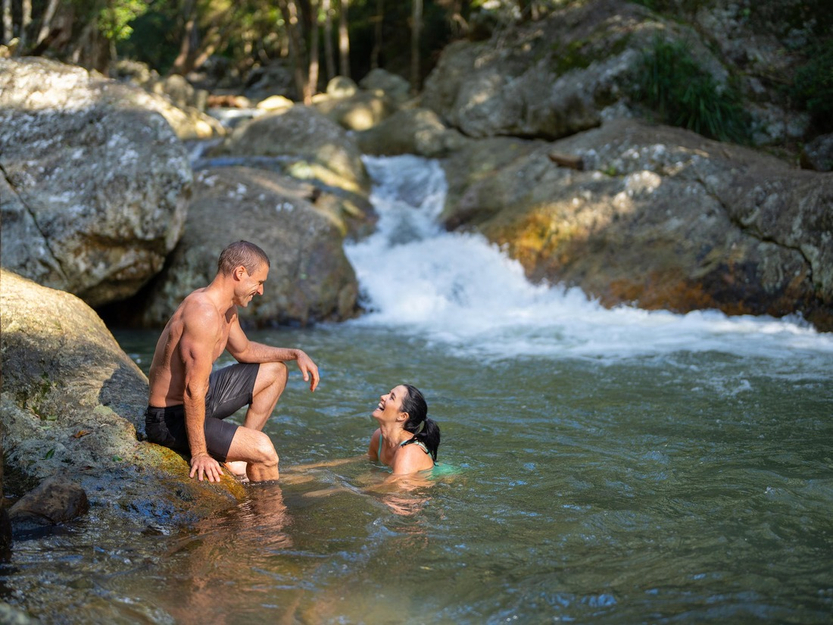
(425, 430)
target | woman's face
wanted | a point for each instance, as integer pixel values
(390, 404)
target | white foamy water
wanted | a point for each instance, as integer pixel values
(458, 289)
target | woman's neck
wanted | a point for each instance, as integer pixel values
(394, 433)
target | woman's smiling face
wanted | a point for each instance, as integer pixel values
(390, 404)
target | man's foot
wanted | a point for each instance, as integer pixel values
(238, 469)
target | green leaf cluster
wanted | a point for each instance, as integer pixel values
(669, 81)
(114, 20)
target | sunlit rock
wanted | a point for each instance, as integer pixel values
(411, 131)
(94, 186)
(306, 145)
(360, 111)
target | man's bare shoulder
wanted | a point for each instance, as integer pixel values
(198, 312)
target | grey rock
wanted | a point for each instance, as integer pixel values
(310, 278)
(93, 185)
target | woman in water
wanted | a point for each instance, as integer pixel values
(406, 440)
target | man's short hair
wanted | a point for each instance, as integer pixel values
(241, 253)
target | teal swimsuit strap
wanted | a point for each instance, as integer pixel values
(415, 442)
(402, 444)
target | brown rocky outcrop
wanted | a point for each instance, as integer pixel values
(72, 403)
(310, 278)
(657, 216)
(93, 185)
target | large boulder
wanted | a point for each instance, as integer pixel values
(656, 216)
(302, 143)
(72, 403)
(310, 278)
(574, 69)
(545, 79)
(95, 186)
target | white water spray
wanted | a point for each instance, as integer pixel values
(459, 289)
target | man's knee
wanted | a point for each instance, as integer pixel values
(275, 372)
(264, 451)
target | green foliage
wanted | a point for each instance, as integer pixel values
(812, 87)
(671, 83)
(114, 20)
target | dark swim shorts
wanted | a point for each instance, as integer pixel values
(229, 389)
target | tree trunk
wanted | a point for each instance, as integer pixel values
(184, 61)
(289, 10)
(416, 28)
(329, 56)
(46, 24)
(25, 21)
(377, 39)
(343, 40)
(313, 49)
(8, 24)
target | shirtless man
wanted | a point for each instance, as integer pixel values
(188, 402)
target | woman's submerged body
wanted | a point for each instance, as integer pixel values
(406, 439)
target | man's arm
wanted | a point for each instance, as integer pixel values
(244, 350)
(196, 350)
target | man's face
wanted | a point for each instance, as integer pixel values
(251, 284)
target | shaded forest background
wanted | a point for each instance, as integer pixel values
(230, 42)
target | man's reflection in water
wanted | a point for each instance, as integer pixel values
(223, 556)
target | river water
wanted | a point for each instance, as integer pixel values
(597, 466)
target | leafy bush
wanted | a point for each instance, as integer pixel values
(670, 82)
(812, 87)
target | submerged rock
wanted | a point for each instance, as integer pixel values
(655, 216)
(95, 185)
(55, 501)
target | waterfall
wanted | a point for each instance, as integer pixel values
(459, 289)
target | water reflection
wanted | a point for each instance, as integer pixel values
(225, 552)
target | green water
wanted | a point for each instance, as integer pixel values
(676, 488)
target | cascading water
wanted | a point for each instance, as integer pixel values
(458, 288)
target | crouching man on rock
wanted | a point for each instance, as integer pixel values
(188, 403)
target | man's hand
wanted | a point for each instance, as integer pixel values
(309, 369)
(205, 465)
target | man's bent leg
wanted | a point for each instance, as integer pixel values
(270, 383)
(256, 449)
